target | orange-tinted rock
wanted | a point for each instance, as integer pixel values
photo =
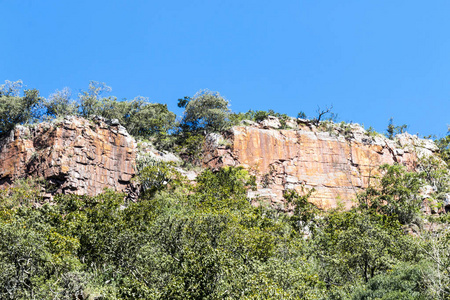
(336, 166)
(77, 155)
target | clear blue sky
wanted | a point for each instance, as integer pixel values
(371, 60)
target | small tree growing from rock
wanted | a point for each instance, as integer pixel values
(321, 113)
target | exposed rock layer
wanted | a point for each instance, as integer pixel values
(77, 155)
(337, 164)
(84, 157)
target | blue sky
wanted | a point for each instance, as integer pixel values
(371, 60)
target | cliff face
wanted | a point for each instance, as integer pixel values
(77, 155)
(84, 157)
(337, 163)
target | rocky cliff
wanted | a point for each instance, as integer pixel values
(76, 155)
(337, 160)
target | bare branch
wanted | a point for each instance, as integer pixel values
(321, 113)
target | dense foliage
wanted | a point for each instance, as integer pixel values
(206, 241)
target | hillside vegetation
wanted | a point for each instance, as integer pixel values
(205, 240)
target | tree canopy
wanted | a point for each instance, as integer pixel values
(16, 109)
(207, 111)
(207, 241)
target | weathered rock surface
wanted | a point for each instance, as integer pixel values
(84, 157)
(337, 163)
(77, 155)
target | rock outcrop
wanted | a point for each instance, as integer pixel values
(76, 155)
(337, 160)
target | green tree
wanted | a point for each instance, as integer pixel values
(15, 109)
(189, 147)
(23, 192)
(351, 246)
(393, 130)
(436, 175)
(141, 118)
(301, 115)
(90, 101)
(225, 188)
(59, 104)
(148, 119)
(261, 115)
(34, 254)
(396, 194)
(206, 112)
(11, 88)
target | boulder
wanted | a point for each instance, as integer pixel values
(271, 122)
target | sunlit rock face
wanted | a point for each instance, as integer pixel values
(76, 155)
(337, 161)
(81, 156)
